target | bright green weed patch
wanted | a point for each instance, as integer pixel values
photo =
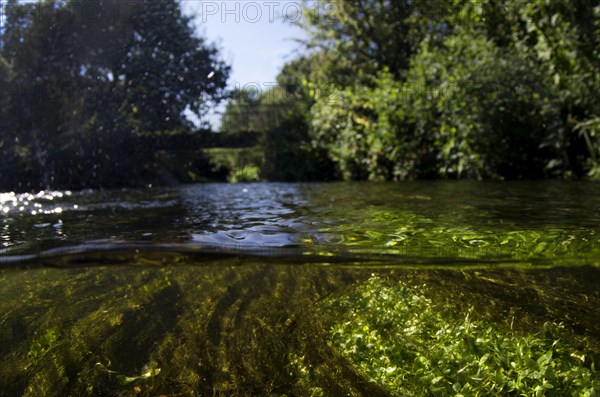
(401, 339)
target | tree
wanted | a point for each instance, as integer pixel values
(241, 112)
(483, 89)
(355, 39)
(289, 152)
(281, 117)
(91, 83)
(7, 142)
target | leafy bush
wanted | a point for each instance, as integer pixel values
(489, 90)
(249, 173)
(368, 131)
(467, 109)
(491, 111)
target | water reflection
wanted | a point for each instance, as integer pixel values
(32, 204)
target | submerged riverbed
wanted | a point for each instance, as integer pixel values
(440, 288)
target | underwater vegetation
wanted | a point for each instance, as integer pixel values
(237, 328)
(412, 345)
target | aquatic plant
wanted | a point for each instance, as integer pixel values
(403, 340)
(44, 342)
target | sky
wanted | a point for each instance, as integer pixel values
(255, 37)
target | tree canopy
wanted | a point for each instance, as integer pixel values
(452, 89)
(83, 80)
(385, 90)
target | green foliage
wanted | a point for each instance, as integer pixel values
(247, 174)
(43, 343)
(590, 131)
(85, 89)
(7, 152)
(489, 111)
(478, 89)
(465, 110)
(234, 165)
(354, 39)
(288, 151)
(280, 116)
(403, 340)
(368, 132)
(241, 113)
(388, 90)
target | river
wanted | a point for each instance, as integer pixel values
(297, 289)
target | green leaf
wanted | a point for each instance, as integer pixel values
(457, 387)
